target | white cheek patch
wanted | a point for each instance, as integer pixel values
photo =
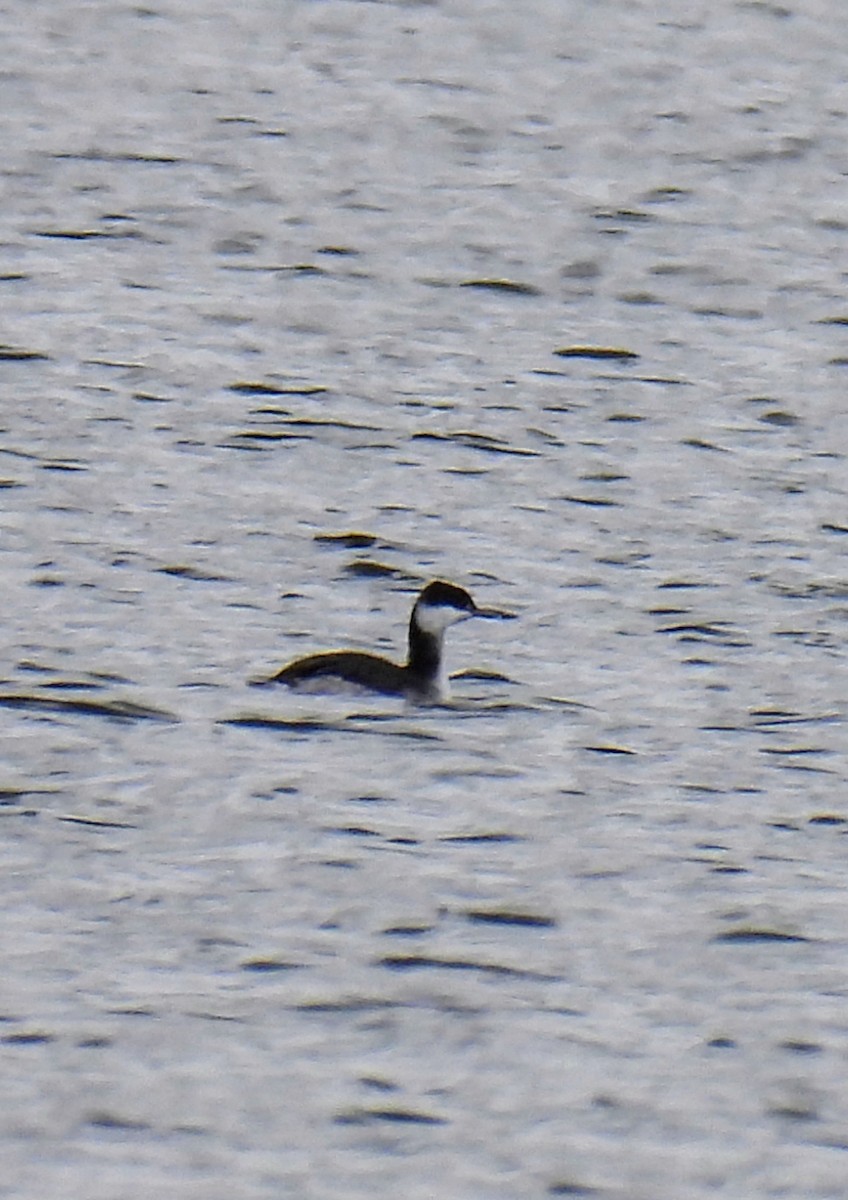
(436, 618)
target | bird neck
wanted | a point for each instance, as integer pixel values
(425, 651)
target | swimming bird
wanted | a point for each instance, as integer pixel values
(422, 677)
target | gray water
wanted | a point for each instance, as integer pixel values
(274, 273)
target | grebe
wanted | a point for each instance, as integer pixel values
(422, 677)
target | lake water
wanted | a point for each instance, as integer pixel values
(279, 273)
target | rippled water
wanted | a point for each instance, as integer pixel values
(303, 304)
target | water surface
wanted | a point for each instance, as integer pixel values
(304, 304)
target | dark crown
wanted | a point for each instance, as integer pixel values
(449, 595)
